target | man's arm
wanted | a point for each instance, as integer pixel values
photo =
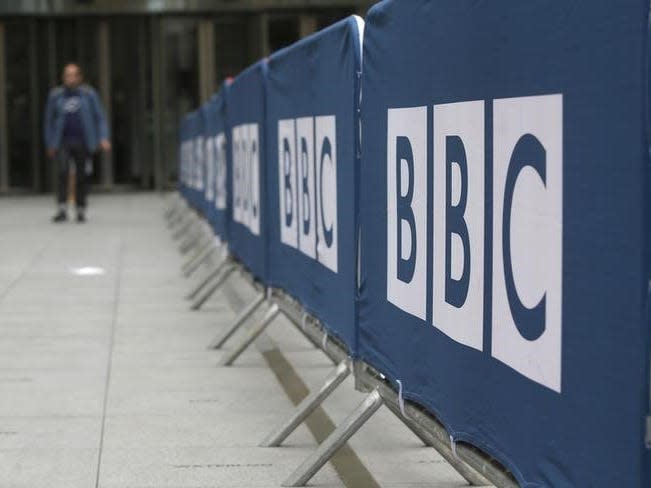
(100, 120)
(47, 123)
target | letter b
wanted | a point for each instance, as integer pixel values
(407, 209)
(405, 158)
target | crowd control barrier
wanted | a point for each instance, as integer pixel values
(505, 234)
(192, 156)
(208, 151)
(198, 188)
(208, 118)
(245, 112)
(470, 240)
(216, 169)
(187, 134)
(242, 115)
(183, 159)
(313, 161)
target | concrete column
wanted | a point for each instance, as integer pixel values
(259, 37)
(4, 133)
(206, 49)
(362, 10)
(53, 80)
(81, 43)
(104, 58)
(158, 102)
(263, 26)
(307, 25)
(34, 107)
(140, 144)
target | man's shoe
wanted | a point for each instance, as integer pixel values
(61, 216)
(81, 217)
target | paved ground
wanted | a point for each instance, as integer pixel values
(105, 380)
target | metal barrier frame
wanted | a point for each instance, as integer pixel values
(472, 464)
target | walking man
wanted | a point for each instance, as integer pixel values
(75, 128)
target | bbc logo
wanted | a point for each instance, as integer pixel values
(246, 176)
(526, 235)
(216, 170)
(307, 182)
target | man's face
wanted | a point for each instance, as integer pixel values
(71, 76)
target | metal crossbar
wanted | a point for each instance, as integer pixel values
(475, 466)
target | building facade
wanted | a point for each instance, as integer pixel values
(151, 61)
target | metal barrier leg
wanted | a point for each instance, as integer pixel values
(472, 476)
(184, 219)
(207, 279)
(171, 217)
(239, 321)
(307, 406)
(173, 207)
(410, 425)
(183, 213)
(171, 211)
(193, 239)
(468, 473)
(338, 438)
(193, 264)
(189, 244)
(437, 438)
(251, 336)
(202, 246)
(177, 218)
(175, 221)
(198, 303)
(184, 227)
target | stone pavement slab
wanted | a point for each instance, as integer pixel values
(106, 381)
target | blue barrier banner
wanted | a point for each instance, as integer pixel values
(313, 161)
(199, 159)
(194, 148)
(245, 114)
(216, 171)
(183, 159)
(208, 114)
(505, 237)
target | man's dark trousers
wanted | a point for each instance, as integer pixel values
(76, 157)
